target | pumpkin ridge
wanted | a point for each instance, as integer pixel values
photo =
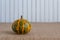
(23, 29)
(17, 28)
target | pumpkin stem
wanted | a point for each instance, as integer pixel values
(21, 17)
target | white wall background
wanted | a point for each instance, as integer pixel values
(33, 10)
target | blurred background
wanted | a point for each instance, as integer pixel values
(32, 10)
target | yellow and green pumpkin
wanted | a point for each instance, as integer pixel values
(21, 26)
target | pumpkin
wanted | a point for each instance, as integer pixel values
(21, 26)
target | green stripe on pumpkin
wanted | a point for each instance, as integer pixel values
(20, 28)
(14, 27)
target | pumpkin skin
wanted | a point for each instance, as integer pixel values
(21, 26)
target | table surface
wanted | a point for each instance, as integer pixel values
(39, 31)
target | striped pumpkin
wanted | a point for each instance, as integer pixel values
(21, 26)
